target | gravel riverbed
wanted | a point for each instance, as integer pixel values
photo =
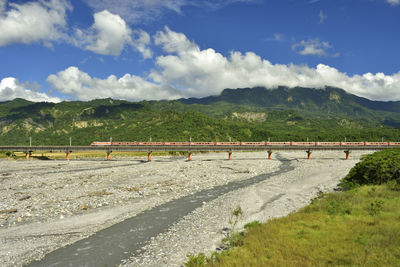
(45, 205)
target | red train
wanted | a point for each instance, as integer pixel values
(310, 144)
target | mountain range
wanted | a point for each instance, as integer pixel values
(252, 114)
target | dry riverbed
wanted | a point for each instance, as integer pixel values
(45, 205)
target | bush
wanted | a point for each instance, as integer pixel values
(377, 168)
(196, 260)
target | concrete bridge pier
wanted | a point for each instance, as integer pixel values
(230, 155)
(308, 154)
(189, 156)
(347, 154)
(149, 156)
(269, 154)
(109, 155)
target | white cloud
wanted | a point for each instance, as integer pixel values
(141, 42)
(393, 2)
(40, 21)
(312, 47)
(173, 42)
(140, 11)
(109, 34)
(79, 84)
(187, 71)
(10, 89)
(322, 17)
(204, 72)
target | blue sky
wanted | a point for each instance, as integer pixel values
(53, 50)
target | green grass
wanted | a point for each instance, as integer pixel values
(359, 227)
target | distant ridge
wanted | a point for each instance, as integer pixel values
(331, 98)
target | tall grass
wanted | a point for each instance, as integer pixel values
(359, 227)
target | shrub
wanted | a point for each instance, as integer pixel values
(196, 260)
(393, 185)
(377, 168)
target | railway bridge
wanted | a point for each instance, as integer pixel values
(191, 147)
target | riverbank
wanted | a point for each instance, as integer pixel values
(356, 226)
(49, 204)
(202, 230)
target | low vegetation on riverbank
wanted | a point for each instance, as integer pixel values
(45, 155)
(358, 226)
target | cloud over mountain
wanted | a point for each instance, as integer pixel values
(185, 70)
(10, 88)
(79, 84)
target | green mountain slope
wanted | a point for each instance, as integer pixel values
(255, 114)
(308, 101)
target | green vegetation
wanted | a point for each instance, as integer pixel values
(377, 168)
(254, 114)
(357, 227)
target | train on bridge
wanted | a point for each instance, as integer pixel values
(247, 144)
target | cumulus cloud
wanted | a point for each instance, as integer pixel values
(200, 73)
(79, 84)
(140, 11)
(40, 21)
(10, 89)
(313, 47)
(109, 34)
(393, 2)
(188, 71)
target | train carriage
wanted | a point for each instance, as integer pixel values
(227, 143)
(327, 143)
(376, 143)
(352, 143)
(302, 143)
(96, 143)
(252, 143)
(202, 143)
(278, 143)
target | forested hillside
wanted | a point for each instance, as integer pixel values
(255, 114)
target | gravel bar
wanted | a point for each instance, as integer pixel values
(46, 205)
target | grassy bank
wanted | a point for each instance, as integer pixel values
(356, 227)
